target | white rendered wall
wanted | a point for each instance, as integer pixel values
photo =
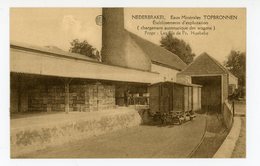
(232, 80)
(165, 73)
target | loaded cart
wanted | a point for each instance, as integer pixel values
(173, 102)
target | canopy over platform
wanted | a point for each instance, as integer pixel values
(41, 61)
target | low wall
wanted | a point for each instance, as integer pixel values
(35, 133)
(227, 115)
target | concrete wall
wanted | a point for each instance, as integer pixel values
(165, 73)
(38, 132)
(227, 115)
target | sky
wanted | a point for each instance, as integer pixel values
(59, 26)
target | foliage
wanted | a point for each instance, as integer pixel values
(84, 48)
(236, 64)
(178, 47)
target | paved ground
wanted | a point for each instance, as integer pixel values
(136, 142)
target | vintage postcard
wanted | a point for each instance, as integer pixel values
(128, 82)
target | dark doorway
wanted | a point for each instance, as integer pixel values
(210, 93)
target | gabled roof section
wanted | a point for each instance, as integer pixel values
(158, 54)
(203, 65)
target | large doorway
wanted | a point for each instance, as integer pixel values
(210, 93)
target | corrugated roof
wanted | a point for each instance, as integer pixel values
(205, 64)
(49, 50)
(158, 54)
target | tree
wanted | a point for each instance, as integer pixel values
(84, 48)
(236, 64)
(178, 47)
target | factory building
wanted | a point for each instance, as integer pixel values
(47, 80)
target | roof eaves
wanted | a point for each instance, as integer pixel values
(165, 65)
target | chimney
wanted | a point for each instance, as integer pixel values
(117, 46)
(113, 36)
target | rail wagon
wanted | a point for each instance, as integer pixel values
(171, 101)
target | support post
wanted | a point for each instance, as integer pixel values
(19, 91)
(233, 108)
(67, 97)
(98, 84)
